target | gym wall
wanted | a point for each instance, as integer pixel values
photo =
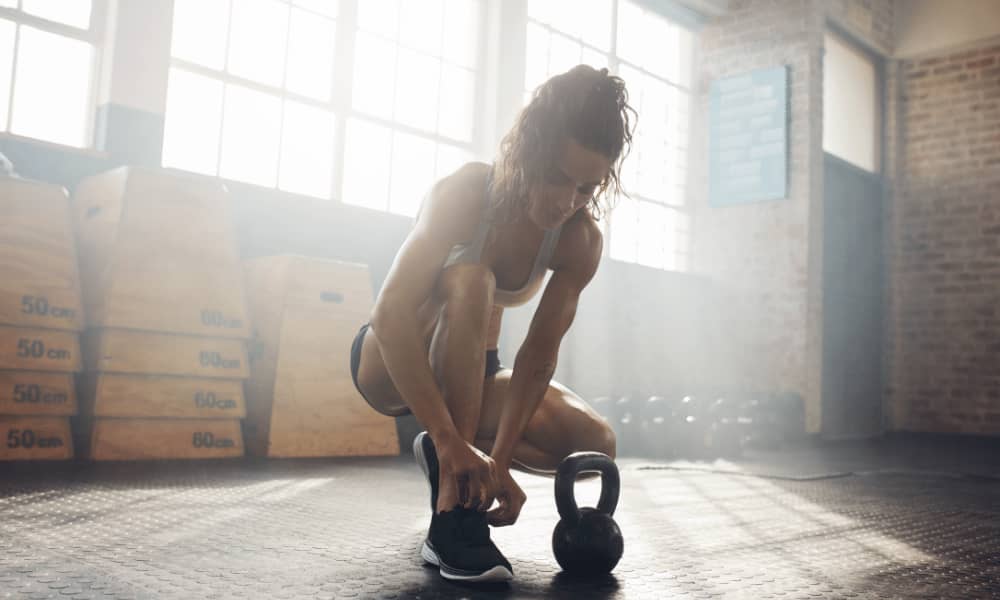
(945, 268)
(766, 258)
(748, 317)
(941, 168)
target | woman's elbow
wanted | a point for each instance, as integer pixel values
(382, 320)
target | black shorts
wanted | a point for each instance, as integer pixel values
(492, 361)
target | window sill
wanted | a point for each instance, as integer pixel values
(54, 146)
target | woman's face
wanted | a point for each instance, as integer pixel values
(567, 185)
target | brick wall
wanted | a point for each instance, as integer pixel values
(759, 253)
(872, 21)
(945, 259)
(767, 257)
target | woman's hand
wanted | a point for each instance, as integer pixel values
(511, 498)
(467, 476)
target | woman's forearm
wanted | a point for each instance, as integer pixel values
(528, 384)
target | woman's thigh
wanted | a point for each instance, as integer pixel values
(374, 379)
(460, 289)
(563, 423)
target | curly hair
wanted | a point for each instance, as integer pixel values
(583, 104)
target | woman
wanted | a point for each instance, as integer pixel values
(483, 241)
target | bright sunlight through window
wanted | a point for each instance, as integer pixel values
(251, 93)
(254, 95)
(47, 57)
(414, 90)
(654, 58)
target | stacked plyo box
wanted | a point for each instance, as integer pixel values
(40, 321)
(301, 400)
(163, 292)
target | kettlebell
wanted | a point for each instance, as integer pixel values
(587, 541)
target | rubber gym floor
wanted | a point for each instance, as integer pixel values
(904, 517)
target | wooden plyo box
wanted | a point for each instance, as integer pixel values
(301, 400)
(35, 438)
(157, 396)
(39, 280)
(158, 253)
(145, 353)
(149, 395)
(30, 349)
(145, 439)
(37, 393)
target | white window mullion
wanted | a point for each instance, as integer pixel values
(613, 66)
(283, 99)
(297, 114)
(225, 88)
(440, 78)
(395, 94)
(343, 89)
(91, 36)
(98, 24)
(69, 96)
(480, 106)
(13, 77)
(249, 83)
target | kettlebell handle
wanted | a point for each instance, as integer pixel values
(583, 462)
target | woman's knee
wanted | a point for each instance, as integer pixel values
(583, 430)
(602, 437)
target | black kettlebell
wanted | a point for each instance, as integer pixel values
(587, 541)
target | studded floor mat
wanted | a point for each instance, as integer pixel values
(352, 529)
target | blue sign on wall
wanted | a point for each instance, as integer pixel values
(748, 137)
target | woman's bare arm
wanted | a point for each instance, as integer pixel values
(493, 333)
(536, 359)
(444, 221)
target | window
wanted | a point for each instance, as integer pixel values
(250, 95)
(264, 91)
(413, 99)
(655, 60)
(562, 35)
(850, 96)
(48, 56)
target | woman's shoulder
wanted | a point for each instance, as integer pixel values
(470, 176)
(455, 202)
(465, 183)
(582, 228)
(580, 242)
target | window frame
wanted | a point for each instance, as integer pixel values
(499, 86)
(476, 146)
(95, 34)
(683, 209)
(341, 97)
(878, 62)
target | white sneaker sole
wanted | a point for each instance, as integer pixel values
(496, 574)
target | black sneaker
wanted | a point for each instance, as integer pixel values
(459, 544)
(423, 451)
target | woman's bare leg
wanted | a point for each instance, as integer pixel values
(457, 355)
(563, 424)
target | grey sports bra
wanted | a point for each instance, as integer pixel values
(471, 252)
